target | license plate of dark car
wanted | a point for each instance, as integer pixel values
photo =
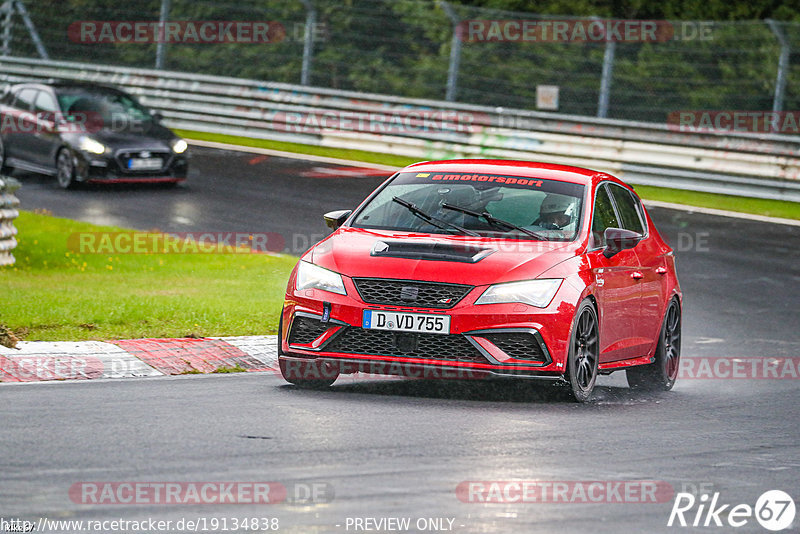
(140, 164)
(406, 322)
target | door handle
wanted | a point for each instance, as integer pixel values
(636, 275)
(661, 270)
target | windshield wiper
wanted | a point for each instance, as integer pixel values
(430, 219)
(494, 221)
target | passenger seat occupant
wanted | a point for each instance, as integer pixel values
(556, 212)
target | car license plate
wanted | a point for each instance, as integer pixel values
(142, 164)
(406, 322)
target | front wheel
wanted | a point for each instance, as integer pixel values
(662, 373)
(65, 169)
(584, 353)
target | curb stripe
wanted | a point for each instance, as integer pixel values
(36, 361)
(180, 356)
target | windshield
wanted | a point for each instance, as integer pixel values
(489, 205)
(111, 107)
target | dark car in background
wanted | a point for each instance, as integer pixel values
(81, 132)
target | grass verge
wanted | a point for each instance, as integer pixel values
(772, 208)
(299, 148)
(54, 293)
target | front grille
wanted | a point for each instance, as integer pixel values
(123, 156)
(305, 330)
(410, 293)
(521, 345)
(449, 347)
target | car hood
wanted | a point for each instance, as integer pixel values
(148, 135)
(357, 252)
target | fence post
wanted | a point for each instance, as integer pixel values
(605, 78)
(783, 66)
(308, 41)
(7, 13)
(455, 52)
(37, 41)
(161, 46)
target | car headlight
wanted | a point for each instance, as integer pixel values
(88, 144)
(310, 276)
(180, 146)
(537, 293)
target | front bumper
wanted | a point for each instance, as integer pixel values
(494, 340)
(110, 169)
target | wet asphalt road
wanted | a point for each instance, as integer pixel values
(396, 448)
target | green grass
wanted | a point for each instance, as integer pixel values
(758, 206)
(54, 293)
(773, 208)
(235, 369)
(299, 148)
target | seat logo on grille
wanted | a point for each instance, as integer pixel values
(409, 293)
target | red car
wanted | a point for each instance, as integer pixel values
(487, 268)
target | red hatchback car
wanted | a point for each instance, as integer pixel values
(487, 268)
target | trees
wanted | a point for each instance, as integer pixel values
(403, 46)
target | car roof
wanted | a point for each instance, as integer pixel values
(527, 169)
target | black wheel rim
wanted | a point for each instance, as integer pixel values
(672, 340)
(585, 349)
(64, 169)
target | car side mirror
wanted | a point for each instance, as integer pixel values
(334, 219)
(618, 240)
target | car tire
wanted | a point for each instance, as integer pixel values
(662, 373)
(584, 352)
(296, 373)
(3, 167)
(65, 169)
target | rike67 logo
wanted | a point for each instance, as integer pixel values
(774, 510)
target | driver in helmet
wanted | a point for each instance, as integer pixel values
(555, 212)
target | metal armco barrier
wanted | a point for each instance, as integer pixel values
(8, 212)
(744, 164)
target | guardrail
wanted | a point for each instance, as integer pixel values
(8, 212)
(745, 164)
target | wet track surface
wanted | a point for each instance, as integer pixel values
(397, 448)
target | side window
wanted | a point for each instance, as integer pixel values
(604, 216)
(628, 209)
(45, 103)
(24, 99)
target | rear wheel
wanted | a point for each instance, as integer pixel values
(304, 374)
(65, 169)
(662, 373)
(584, 352)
